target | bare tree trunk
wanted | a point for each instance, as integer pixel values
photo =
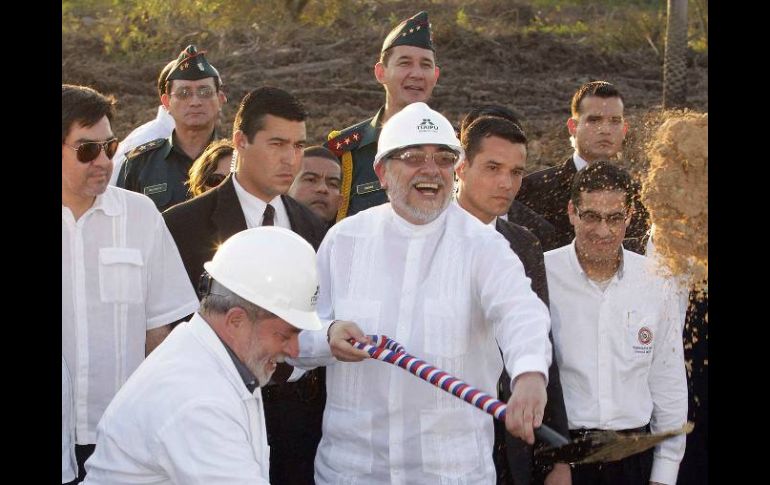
(674, 59)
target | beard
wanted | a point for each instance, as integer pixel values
(262, 366)
(398, 193)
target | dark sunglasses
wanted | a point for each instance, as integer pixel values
(214, 179)
(88, 151)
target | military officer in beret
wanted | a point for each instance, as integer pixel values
(194, 99)
(407, 70)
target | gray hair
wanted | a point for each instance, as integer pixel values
(220, 300)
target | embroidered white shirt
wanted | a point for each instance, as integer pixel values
(121, 276)
(450, 291)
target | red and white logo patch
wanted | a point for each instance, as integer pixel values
(645, 336)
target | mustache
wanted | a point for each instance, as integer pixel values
(427, 179)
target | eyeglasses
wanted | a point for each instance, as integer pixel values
(214, 179)
(594, 218)
(417, 159)
(203, 92)
(89, 150)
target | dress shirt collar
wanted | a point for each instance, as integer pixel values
(579, 269)
(107, 202)
(252, 204)
(249, 379)
(580, 162)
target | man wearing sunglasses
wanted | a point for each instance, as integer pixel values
(617, 333)
(194, 99)
(123, 281)
(433, 277)
(597, 129)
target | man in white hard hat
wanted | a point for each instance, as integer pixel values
(434, 278)
(192, 413)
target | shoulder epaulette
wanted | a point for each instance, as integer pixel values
(146, 147)
(348, 139)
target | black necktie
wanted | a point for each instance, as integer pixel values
(269, 215)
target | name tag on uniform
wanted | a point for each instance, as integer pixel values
(368, 187)
(154, 189)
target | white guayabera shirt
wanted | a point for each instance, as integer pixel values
(121, 276)
(450, 291)
(620, 351)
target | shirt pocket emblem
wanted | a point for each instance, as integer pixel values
(640, 334)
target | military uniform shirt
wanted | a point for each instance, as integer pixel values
(359, 142)
(159, 170)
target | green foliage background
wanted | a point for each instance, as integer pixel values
(148, 27)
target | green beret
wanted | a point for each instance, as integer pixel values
(192, 65)
(413, 31)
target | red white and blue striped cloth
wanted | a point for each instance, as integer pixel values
(390, 351)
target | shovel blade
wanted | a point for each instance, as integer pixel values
(605, 446)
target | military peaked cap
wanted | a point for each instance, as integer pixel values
(414, 31)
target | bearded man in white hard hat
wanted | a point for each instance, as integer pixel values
(447, 287)
(192, 413)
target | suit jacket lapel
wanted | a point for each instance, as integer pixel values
(227, 216)
(568, 172)
(291, 210)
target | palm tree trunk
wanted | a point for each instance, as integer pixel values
(674, 59)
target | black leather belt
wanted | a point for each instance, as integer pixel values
(582, 432)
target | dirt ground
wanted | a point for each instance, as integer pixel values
(534, 74)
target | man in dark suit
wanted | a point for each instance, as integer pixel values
(268, 135)
(490, 176)
(518, 213)
(597, 129)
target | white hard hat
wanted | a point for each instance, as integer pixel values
(271, 267)
(416, 124)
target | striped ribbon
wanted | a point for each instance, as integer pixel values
(390, 351)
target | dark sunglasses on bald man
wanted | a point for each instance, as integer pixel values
(89, 150)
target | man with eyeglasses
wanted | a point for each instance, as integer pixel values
(194, 99)
(123, 281)
(433, 277)
(408, 72)
(617, 333)
(597, 129)
(269, 134)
